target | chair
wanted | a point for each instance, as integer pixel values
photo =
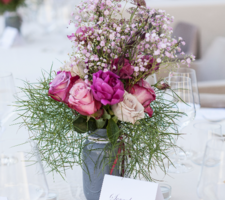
(210, 71)
(212, 65)
(190, 34)
(212, 94)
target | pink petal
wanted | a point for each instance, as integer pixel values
(105, 102)
(149, 111)
(119, 94)
(107, 88)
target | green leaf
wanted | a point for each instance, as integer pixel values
(115, 119)
(92, 125)
(106, 115)
(113, 131)
(111, 112)
(80, 124)
(100, 123)
(98, 114)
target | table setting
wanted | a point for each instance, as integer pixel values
(99, 124)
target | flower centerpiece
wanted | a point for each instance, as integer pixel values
(12, 18)
(98, 111)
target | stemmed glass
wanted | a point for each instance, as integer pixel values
(188, 72)
(46, 16)
(7, 92)
(74, 177)
(211, 184)
(183, 99)
(21, 172)
(205, 131)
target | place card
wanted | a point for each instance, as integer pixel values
(9, 36)
(119, 188)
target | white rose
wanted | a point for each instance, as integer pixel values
(129, 110)
(76, 67)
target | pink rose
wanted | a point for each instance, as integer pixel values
(122, 67)
(6, 1)
(81, 99)
(61, 85)
(145, 95)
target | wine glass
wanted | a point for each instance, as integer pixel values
(211, 184)
(181, 96)
(188, 72)
(46, 16)
(7, 92)
(21, 172)
(74, 177)
(204, 132)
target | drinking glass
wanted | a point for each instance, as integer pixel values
(75, 180)
(7, 92)
(204, 132)
(46, 16)
(188, 72)
(182, 98)
(211, 184)
(21, 172)
(166, 190)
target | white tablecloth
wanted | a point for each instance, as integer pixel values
(183, 185)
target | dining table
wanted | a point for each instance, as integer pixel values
(27, 61)
(183, 185)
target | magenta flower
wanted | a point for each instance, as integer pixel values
(126, 71)
(107, 87)
(61, 85)
(145, 95)
(122, 67)
(81, 99)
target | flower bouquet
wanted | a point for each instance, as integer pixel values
(98, 111)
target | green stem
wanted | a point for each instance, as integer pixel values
(131, 17)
